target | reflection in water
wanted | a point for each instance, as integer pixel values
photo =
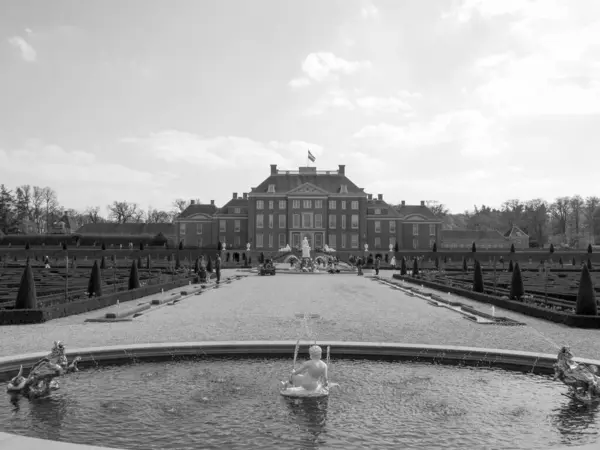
(572, 420)
(311, 416)
(47, 414)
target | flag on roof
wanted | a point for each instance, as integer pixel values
(311, 156)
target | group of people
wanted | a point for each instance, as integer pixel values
(360, 262)
(203, 269)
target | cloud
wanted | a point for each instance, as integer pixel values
(323, 66)
(383, 104)
(299, 83)
(369, 11)
(28, 53)
(473, 133)
(333, 99)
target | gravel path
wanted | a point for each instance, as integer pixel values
(352, 308)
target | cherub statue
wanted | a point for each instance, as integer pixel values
(583, 380)
(310, 376)
(41, 379)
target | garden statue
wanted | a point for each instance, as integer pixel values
(310, 379)
(248, 247)
(583, 380)
(41, 379)
(305, 248)
(366, 247)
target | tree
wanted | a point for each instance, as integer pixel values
(511, 266)
(512, 212)
(560, 210)
(576, 204)
(125, 212)
(27, 296)
(415, 267)
(134, 280)
(512, 248)
(37, 208)
(403, 268)
(517, 290)
(396, 247)
(590, 214)
(7, 214)
(157, 216)
(95, 283)
(23, 202)
(437, 262)
(473, 248)
(50, 204)
(438, 209)
(536, 217)
(434, 248)
(551, 248)
(478, 278)
(92, 215)
(586, 299)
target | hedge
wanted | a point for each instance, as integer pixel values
(22, 316)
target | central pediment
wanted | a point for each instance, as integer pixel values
(308, 188)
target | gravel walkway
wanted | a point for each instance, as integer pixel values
(352, 308)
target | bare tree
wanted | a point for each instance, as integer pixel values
(37, 207)
(125, 212)
(23, 202)
(590, 213)
(560, 210)
(438, 209)
(156, 216)
(92, 214)
(50, 202)
(513, 211)
(180, 205)
(576, 205)
(536, 211)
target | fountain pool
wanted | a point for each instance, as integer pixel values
(234, 403)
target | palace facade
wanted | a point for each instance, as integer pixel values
(324, 206)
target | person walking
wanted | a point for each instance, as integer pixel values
(218, 268)
(377, 265)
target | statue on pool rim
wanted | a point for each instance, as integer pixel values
(583, 380)
(311, 376)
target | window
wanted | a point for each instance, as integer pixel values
(355, 204)
(198, 228)
(296, 221)
(271, 188)
(354, 223)
(343, 222)
(199, 242)
(182, 229)
(222, 226)
(260, 204)
(236, 226)
(318, 204)
(354, 240)
(393, 242)
(318, 240)
(331, 220)
(307, 220)
(307, 204)
(392, 226)
(260, 219)
(318, 220)
(343, 204)
(237, 241)
(344, 239)
(377, 211)
(415, 243)
(331, 204)
(270, 220)
(259, 240)
(281, 239)
(377, 227)
(222, 239)
(237, 210)
(415, 229)
(377, 242)
(332, 240)
(432, 229)
(431, 242)
(296, 204)
(282, 204)
(296, 239)
(281, 220)
(270, 240)
(271, 202)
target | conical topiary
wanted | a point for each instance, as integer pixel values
(437, 262)
(464, 265)
(589, 249)
(403, 266)
(103, 246)
(95, 283)
(141, 246)
(27, 246)
(573, 261)
(134, 279)
(197, 265)
(177, 261)
(434, 248)
(415, 267)
(180, 245)
(219, 246)
(103, 263)
(512, 248)
(510, 266)
(586, 298)
(140, 261)
(478, 278)
(473, 247)
(517, 290)
(64, 246)
(396, 247)
(560, 261)
(148, 264)
(26, 297)
(589, 264)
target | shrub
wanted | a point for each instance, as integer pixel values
(512, 248)
(464, 265)
(589, 248)
(473, 248)
(95, 283)
(478, 278)
(517, 290)
(27, 296)
(586, 299)
(434, 248)
(396, 247)
(403, 266)
(180, 245)
(134, 279)
(415, 267)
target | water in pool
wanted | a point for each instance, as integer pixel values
(235, 404)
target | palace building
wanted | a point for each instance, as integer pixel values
(324, 206)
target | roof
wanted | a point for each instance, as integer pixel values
(329, 182)
(134, 229)
(473, 235)
(198, 208)
(233, 203)
(69, 222)
(376, 203)
(515, 229)
(408, 210)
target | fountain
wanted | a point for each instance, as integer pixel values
(313, 383)
(582, 379)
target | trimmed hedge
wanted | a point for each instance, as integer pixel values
(22, 316)
(571, 320)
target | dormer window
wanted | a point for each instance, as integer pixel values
(377, 210)
(237, 210)
(344, 189)
(271, 189)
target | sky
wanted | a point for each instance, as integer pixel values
(464, 102)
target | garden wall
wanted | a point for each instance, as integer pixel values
(571, 320)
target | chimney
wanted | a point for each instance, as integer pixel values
(212, 202)
(370, 196)
(192, 202)
(379, 196)
(245, 196)
(342, 169)
(403, 203)
(273, 169)
(422, 202)
(235, 195)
